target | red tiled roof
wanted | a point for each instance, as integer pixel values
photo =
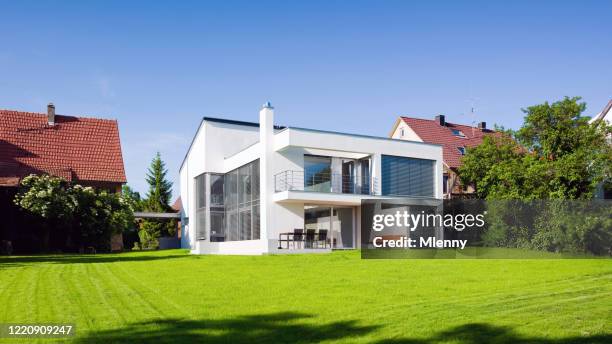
(177, 205)
(75, 148)
(431, 131)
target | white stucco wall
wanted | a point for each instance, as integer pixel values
(222, 147)
(408, 133)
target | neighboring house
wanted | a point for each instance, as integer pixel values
(605, 115)
(82, 150)
(177, 207)
(244, 184)
(454, 138)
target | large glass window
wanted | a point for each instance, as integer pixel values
(229, 204)
(241, 203)
(403, 176)
(317, 173)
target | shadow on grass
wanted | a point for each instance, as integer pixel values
(270, 328)
(79, 259)
(286, 328)
(484, 333)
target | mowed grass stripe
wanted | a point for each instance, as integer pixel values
(80, 297)
(131, 296)
(9, 287)
(106, 292)
(406, 299)
(129, 280)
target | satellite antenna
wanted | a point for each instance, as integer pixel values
(472, 100)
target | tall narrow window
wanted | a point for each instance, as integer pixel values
(217, 208)
(445, 184)
(200, 190)
(365, 176)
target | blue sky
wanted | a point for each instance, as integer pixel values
(349, 66)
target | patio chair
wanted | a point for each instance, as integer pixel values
(298, 237)
(322, 238)
(310, 238)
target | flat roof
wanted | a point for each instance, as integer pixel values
(235, 122)
(364, 136)
(282, 128)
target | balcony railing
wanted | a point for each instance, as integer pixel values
(323, 182)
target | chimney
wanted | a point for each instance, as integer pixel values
(482, 125)
(266, 183)
(440, 120)
(51, 114)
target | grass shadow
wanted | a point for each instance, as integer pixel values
(282, 327)
(478, 333)
(12, 261)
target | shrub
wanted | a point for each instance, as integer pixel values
(76, 216)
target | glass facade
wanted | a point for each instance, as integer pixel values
(229, 203)
(403, 176)
(241, 203)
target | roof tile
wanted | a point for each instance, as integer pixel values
(431, 131)
(75, 148)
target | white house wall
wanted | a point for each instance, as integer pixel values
(221, 147)
(409, 133)
(212, 143)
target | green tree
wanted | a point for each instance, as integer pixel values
(49, 198)
(98, 215)
(132, 197)
(160, 189)
(80, 215)
(158, 200)
(557, 154)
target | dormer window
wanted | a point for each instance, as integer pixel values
(457, 132)
(461, 150)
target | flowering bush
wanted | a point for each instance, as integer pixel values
(81, 216)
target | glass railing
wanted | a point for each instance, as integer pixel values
(322, 182)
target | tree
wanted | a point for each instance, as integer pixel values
(529, 175)
(557, 154)
(98, 215)
(73, 215)
(158, 200)
(160, 189)
(48, 198)
(132, 197)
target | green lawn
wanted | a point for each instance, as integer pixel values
(170, 296)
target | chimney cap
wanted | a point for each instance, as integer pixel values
(268, 105)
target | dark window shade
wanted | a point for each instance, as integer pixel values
(403, 176)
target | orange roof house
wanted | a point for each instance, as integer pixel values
(454, 138)
(81, 150)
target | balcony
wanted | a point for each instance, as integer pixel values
(323, 182)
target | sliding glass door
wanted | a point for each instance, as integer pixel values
(336, 222)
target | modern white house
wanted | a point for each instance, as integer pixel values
(257, 188)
